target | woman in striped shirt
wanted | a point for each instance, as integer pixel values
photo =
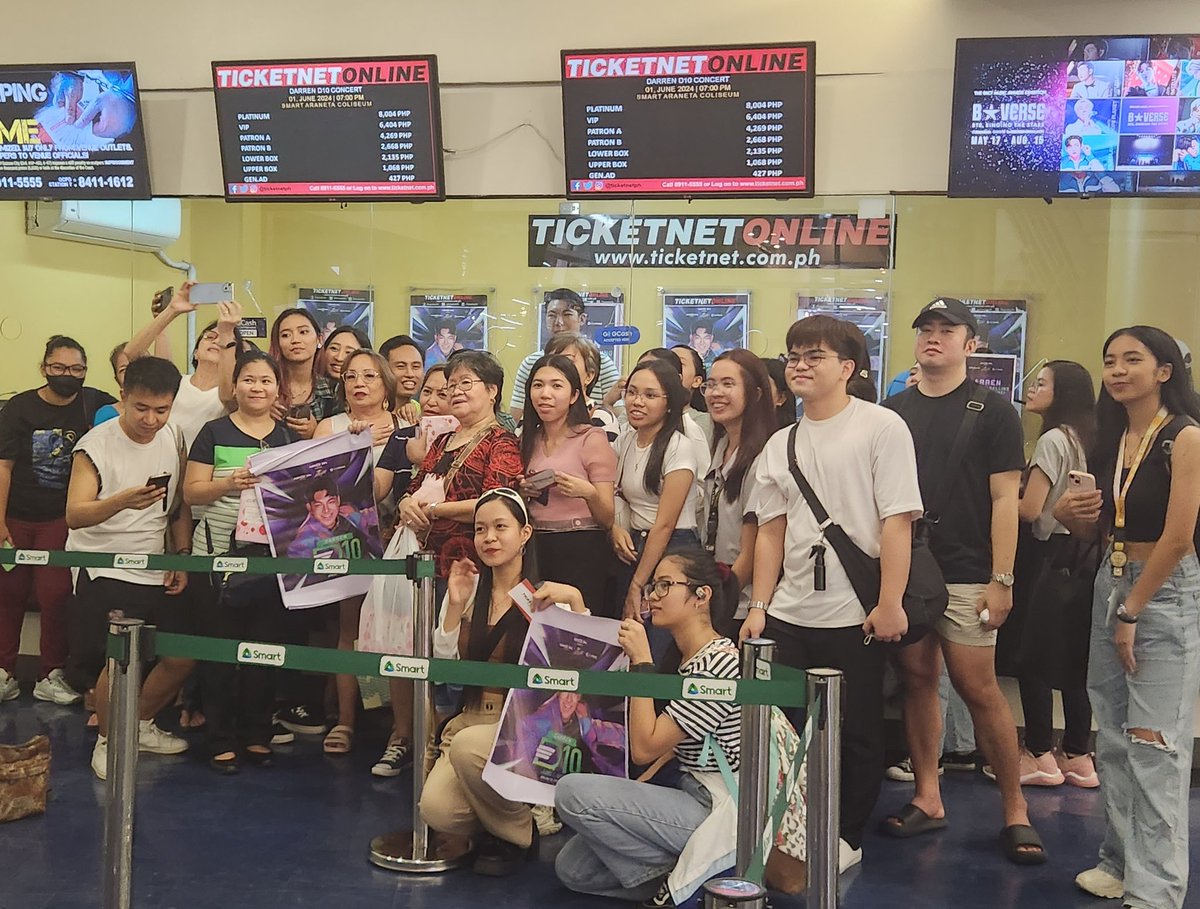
(630, 834)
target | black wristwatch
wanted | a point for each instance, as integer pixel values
(1125, 616)
(642, 667)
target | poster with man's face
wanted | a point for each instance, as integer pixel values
(334, 307)
(708, 323)
(444, 323)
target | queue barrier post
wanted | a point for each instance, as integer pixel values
(129, 641)
(824, 786)
(413, 849)
(753, 801)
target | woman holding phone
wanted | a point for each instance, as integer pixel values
(1144, 663)
(570, 469)
(305, 396)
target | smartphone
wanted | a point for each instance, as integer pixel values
(541, 480)
(211, 292)
(434, 426)
(300, 412)
(161, 482)
(161, 300)
(1079, 481)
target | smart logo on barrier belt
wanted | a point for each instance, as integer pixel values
(331, 566)
(554, 679)
(404, 667)
(699, 689)
(32, 557)
(130, 561)
(229, 564)
(261, 654)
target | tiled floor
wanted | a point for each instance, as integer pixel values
(296, 835)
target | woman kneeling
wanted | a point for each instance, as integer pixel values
(630, 834)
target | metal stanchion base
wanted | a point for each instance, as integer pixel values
(394, 851)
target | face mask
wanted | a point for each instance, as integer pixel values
(65, 386)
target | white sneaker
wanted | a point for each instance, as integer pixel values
(54, 688)
(156, 741)
(1099, 882)
(10, 689)
(847, 857)
(100, 758)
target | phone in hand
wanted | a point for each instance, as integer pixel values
(300, 412)
(540, 480)
(162, 482)
(1081, 481)
(161, 300)
(211, 292)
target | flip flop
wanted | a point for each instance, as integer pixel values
(339, 740)
(1013, 837)
(910, 821)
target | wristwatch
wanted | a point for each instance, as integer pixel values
(759, 604)
(1125, 616)
(1003, 579)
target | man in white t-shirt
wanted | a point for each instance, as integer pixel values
(860, 461)
(123, 497)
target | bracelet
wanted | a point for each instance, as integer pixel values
(431, 510)
(759, 604)
(1125, 616)
(642, 667)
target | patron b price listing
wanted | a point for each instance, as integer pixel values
(348, 129)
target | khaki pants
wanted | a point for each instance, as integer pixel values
(456, 800)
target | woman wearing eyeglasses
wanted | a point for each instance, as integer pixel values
(630, 834)
(238, 699)
(38, 430)
(367, 389)
(656, 477)
(741, 403)
(479, 621)
(460, 466)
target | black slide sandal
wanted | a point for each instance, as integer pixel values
(911, 821)
(1013, 837)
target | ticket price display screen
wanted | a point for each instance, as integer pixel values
(349, 129)
(72, 131)
(689, 122)
(1076, 116)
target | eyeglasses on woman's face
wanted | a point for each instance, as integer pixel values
(367, 375)
(660, 587)
(62, 369)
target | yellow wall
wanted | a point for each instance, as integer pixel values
(1085, 268)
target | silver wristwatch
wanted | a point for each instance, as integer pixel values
(1004, 580)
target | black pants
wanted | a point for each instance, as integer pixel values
(581, 558)
(862, 713)
(1037, 701)
(239, 698)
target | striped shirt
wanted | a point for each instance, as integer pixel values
(717, 659)
(608, 378)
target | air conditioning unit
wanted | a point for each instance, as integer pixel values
(148, 225)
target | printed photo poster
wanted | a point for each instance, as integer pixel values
(708, 323)
(1003, 325)
(444, 323)
(998, 372)
(318, 502)
(869, 313)
(544, 735)
(605, 308)
(335, 306)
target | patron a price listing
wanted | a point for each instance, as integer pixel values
(689, 122)
(351, 129)
(71, 131)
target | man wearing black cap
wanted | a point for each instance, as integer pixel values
(974, 504)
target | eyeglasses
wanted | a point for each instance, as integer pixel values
(367, 375)
(725, 385)
(209, 336)
(61, 369)
(660, 587)
(463, 385)
(808, 358)
(648, 396)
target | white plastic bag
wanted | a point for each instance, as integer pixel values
(386, 622)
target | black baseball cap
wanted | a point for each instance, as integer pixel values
(952, 310)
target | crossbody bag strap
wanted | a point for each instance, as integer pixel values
(966, 429)
(806, 490)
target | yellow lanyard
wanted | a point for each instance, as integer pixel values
(1119, 558)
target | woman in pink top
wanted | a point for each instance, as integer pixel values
(572, 508)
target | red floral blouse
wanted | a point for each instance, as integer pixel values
(495, 462)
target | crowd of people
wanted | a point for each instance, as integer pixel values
(686, 501)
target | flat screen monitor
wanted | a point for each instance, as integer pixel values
(689, 122)
(71, 131)
(340, 129)
(1076, 116)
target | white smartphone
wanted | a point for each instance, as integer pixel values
(211, 292)
(1081, 481)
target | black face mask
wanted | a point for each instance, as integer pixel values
(65, 386)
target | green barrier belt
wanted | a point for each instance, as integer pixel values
(412, 567)
(786, 689)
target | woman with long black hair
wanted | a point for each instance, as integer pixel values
(1144, 662)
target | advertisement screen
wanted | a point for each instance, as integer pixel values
(341, 129)
(1076, 116)
(72, 131)
(685, 122)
